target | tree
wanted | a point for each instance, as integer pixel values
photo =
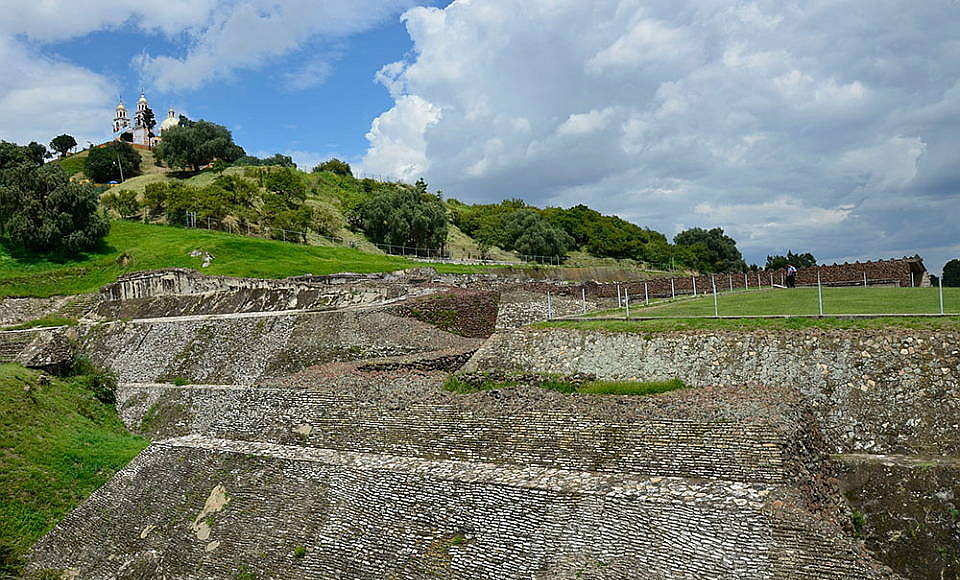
(335, 166)
(149, 120)
(403, 216)
(45, 211)
(62, 144)
(123, 202)
(194, 145)
(951, 273)
(529, 233)
(114, 161)
(712, 250)
(327, 221)
(797, 260)
(279, 160)
(155, 198)
(13, 155)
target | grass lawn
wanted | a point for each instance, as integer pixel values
(58, 444)
(951, 323)
(455, 384)
(803, 301)
(149, 247)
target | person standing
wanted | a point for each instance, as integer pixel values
(791, 276)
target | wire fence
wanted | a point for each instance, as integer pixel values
(720, 299)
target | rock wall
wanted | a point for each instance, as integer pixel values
(876, 391)
(908, 511)
(243, 348)
(471, 313)
(578, 433)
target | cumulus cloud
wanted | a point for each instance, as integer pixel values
(252, 34)
(41, 97)
(790, 125)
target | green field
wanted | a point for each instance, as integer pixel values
(133, 246)
(804, 301)
(58, 443)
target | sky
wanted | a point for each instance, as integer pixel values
(827, 126)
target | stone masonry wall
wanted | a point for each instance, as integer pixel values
(876, 391)
(243, 348)
(210, 508)
(567, 438)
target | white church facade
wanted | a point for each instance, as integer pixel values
(141, 131)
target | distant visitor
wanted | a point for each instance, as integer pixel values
(791, 276)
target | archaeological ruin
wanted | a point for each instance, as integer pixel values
(300, 428)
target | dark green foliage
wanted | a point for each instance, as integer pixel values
(100, 381)
(13, 155)
(951, 274)
(609, 236)
(529, 233)
(709, 250)
(149, 119)
(104, 163)
(42, 210)
(334, 166)
(299, 551)
(155, 198)
(277, 160)
(62, 144)
(403, 216)
(124, 203)
(193, 145)
(797, 260)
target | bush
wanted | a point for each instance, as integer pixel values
(951, 274)
(124, 203)
(327, 221)
(403, 216)
(45, 211)
(102, 162)
(100, 381)
(334, 166)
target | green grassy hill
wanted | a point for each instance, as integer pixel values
(133, 246)
(58, 443)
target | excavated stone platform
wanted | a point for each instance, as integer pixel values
(204, 508)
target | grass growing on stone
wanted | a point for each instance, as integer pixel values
(748, 324)
(133, 246)
(58, 443)
(804, 301)
(455, 384)
(43, 322)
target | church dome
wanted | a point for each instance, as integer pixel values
(169, 122)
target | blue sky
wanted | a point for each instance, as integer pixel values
(813, 125)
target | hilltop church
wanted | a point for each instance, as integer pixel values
(141, 132)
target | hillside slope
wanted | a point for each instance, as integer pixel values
(133, 246)
(59, 444)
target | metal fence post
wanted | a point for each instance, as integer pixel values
(646, 294)
(626, 301)
(911, 280)
(730, 279)
(619, 298)
(694, 278)
(940, 280)
(583, 295)
(716, 309)
(673, 289)
(819, 292)
(746, 285)
(864, 279)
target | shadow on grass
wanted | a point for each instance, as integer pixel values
(26, 256)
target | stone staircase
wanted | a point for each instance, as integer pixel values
(12, 344)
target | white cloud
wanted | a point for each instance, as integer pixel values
(41, 97)
(58, 20)
(253, 34)
(790, 125)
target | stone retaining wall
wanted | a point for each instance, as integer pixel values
(206, 508)
(546, 437)
(876, 391)
(243, 348)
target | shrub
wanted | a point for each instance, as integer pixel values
(104, 163)
(45, 211)
(124, 203)
(100, 381)
(327, 221)
(951, 274)
(403, 216)
(334, 166)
